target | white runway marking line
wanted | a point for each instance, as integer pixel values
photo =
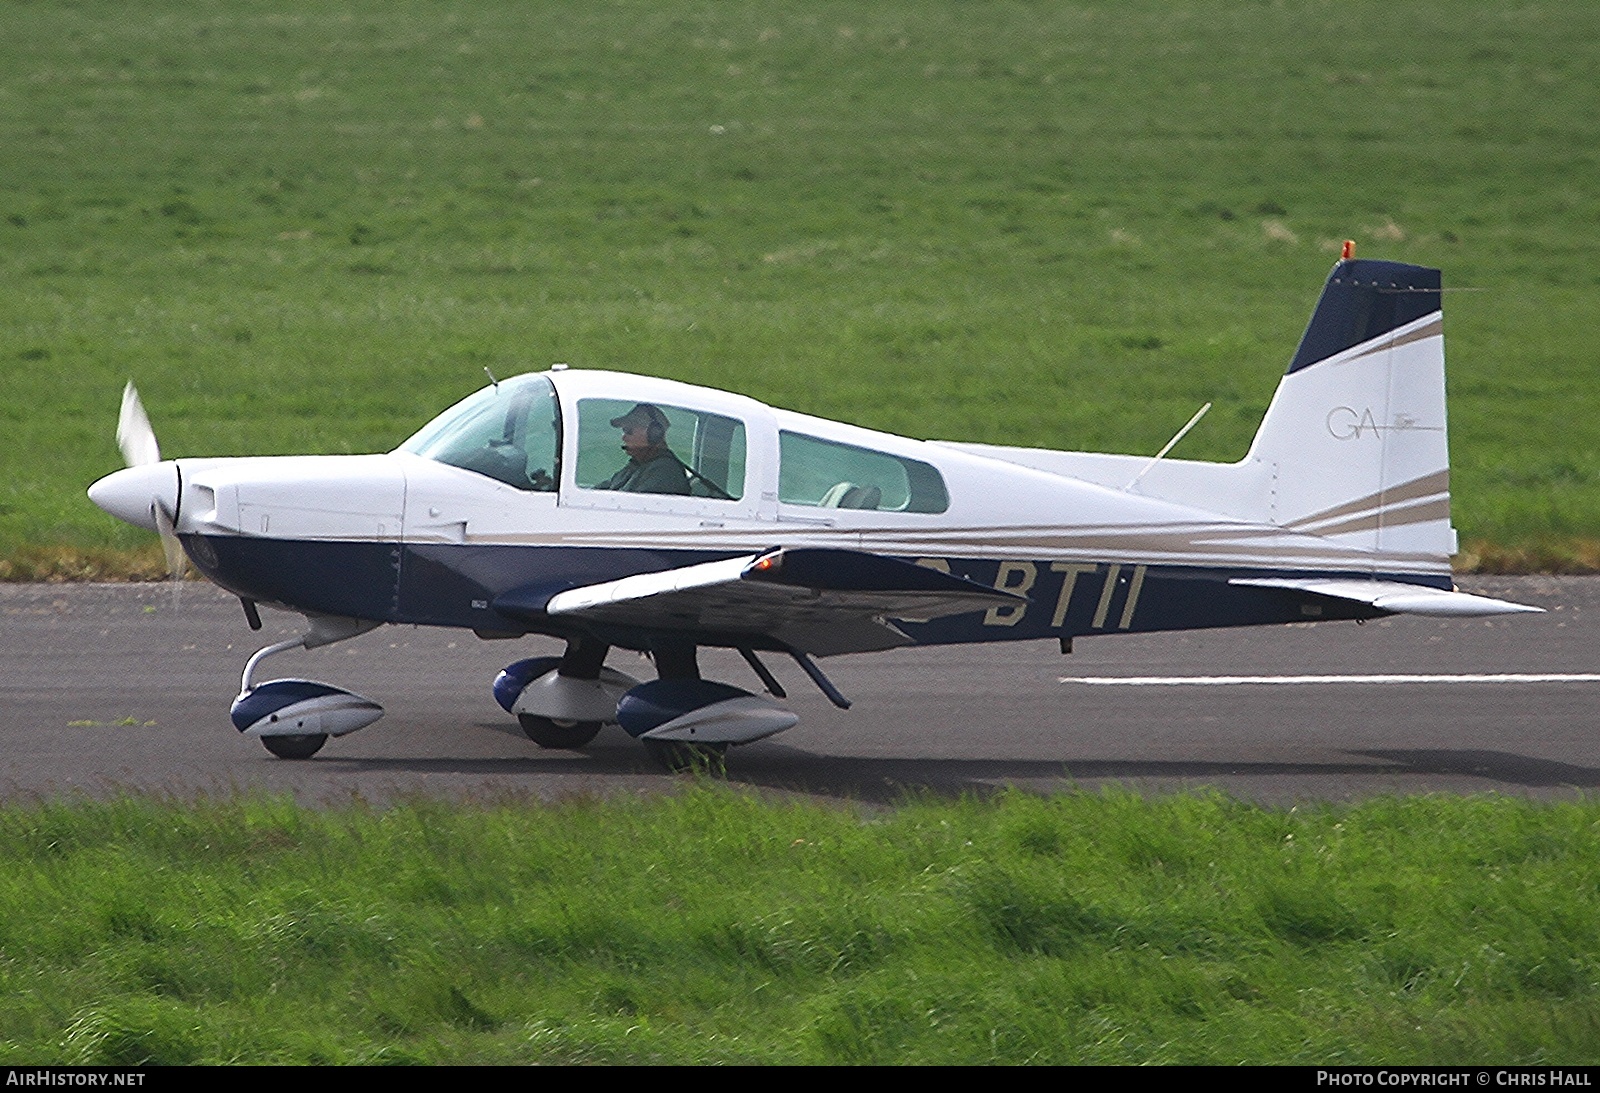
(1236, 681)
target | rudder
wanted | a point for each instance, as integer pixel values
(1355, 436)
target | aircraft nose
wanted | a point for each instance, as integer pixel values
(128, 494)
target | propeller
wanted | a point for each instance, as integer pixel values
(137, 441)
(135, 437)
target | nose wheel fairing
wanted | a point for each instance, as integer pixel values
(302, 707)
(293, 718)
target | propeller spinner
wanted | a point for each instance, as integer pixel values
(146, 492)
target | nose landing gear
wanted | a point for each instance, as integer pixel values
(293, 718)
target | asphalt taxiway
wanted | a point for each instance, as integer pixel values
(109, 688)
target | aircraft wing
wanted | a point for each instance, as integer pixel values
(813, 600)
(1396, 596)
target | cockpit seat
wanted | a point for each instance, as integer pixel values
(848, 495)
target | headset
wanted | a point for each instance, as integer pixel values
(656, 432)
(655, 422)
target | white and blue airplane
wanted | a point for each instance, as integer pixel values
(727, 523)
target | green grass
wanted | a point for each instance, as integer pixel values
(712, 927)
(304, 227)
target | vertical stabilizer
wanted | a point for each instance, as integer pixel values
(1354, 441)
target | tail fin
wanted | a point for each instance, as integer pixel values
(1355, 437)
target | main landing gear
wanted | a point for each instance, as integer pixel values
(553, 732)
(561, 702)
(684, 722)
(293, 718)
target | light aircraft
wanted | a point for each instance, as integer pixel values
(724, 522)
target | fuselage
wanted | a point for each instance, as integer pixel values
(497, 502)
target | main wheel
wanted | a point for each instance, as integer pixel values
(295, 747)
(547, 732)
(679, 757)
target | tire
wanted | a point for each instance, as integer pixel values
(550, 733)
(680, 757)
(295, 747)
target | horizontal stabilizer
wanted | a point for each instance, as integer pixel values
(1396, 596)
(813, 600)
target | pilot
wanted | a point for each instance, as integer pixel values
(652, 468)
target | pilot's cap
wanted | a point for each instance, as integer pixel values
(643, 415)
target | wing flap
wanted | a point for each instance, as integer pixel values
(1396, 596)
(814, 600)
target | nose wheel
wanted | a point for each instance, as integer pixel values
(295, 747)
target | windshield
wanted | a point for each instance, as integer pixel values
(510, 432)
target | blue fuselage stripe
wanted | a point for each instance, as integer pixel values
(456, 585)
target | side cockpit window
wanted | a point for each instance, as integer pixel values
(828, 474)
(510, 432)
(648, 447)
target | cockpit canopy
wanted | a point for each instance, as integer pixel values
(695, 443)
(510, 432)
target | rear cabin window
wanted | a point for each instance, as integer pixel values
(647, 447)
(830, 475)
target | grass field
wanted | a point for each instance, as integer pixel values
(709, 927)
(307, 227)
